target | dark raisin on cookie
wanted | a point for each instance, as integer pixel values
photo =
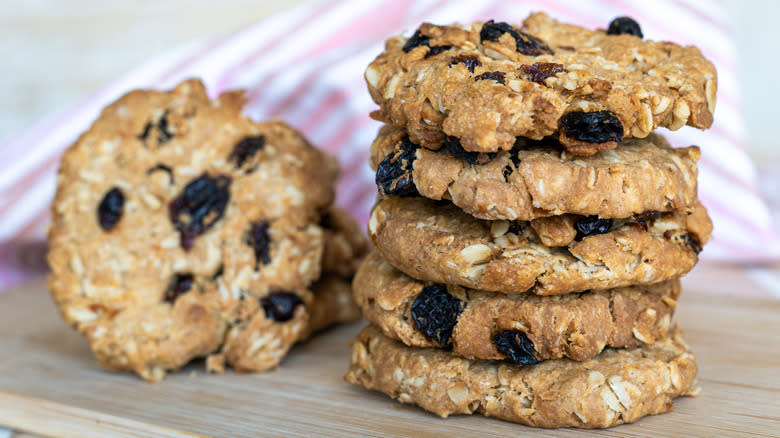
(326, 221)
(394, 173)
(110, 208)
(200, 205)
(623, 26)
(642, 218)
(497, 76)
(591, 226)
(507, 171)
(695, 246)
(162, 168)
(524, 43)
(418, 39)
(280, 306)
(179, 285)
(592, 127)
(258, 238)
(435, 50)
(246, 149)
(453, 146)
(539, 71)
(683, 239)
(516, 346)
(693, 243)
(435, 313)
(515, 157)
(164, 133)
(516, 228)
(470, 61)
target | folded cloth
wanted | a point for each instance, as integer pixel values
(306, 66)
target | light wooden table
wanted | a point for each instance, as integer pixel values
(50, 385)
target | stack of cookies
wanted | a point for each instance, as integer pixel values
(530, 228)
(182, 229)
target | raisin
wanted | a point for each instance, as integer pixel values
(435, 313)
(394, 173)
(435, 50)
(623, 26)
(162, 168)
(260, 241)
(592, 127)
(456, 150)
(516, 346)
(245, 149)
(683, 239)
(179, 285)
(110, 208)
(516, 228)
(497, 76)
(199, 206)
(326, 221)
(163, 134)
(507, 171)
(540, 71)
(515, 157)
(524, 43)
(280, 306)
(418, 39)
(695, 246)
(642, 218)
(161, 126)
(590, 226)
(470, 61)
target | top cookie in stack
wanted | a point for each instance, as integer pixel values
(489, 83)
(528, 219)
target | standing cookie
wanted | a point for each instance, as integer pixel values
(172, 213)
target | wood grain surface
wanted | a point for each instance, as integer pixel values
(50, 385)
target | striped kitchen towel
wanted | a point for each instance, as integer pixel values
(306, 66)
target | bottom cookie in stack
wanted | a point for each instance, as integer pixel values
(617, 386)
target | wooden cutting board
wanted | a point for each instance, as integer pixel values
(50, 385)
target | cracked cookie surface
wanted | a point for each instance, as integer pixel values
(539, 179)
(488, 83)
(616, 387)
(175, 216)
(436, 241)
(576, 326)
